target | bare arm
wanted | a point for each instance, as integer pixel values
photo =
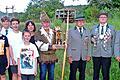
(8, 57)
(35, 72)
(19, 72)
(12, 55)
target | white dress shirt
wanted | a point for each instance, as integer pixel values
(3, 31)
(79, 29)
(104, 30)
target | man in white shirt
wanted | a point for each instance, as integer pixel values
(5, 30)
(14, 39)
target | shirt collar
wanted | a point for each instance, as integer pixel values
(103, 25)
(78, 28)
(5, 29)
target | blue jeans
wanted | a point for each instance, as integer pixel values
(27, 77)
(47, 67)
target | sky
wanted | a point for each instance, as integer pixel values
(75, 2)
(21, 5)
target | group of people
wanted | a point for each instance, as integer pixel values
(20, 52)
(100, 43)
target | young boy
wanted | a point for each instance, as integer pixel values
(27, 59)
(14, 39)
(6, 29)
(4, 56)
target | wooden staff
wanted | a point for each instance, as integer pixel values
(64, 59)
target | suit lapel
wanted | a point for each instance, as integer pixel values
(78, 33)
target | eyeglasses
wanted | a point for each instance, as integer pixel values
(102, 17)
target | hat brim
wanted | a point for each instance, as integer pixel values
(45, 21)
(102, 14)
(78, 19)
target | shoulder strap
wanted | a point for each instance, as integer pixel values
(39, 37)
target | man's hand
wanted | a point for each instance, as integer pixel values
(19, 74)
(70, 59)
(7, 66)
(118, 58)
(13, 62)
(35, 73)
(54, 47)
(88, 58)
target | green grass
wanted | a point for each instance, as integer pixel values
(114, 72)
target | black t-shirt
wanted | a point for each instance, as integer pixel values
(3, 45)
(32, 40)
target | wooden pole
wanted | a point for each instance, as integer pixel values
(64, 59)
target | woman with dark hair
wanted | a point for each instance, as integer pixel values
(30, 25)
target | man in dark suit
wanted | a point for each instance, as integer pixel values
(102, 38)
(78, 48)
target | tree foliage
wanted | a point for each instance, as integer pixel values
(110, 6)
(91, 13)
(49, 6)
(116, 3)
(36, 6)
(101, 4)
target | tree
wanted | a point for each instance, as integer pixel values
(101, 4)
(36, 6)
(51, 6)
(116, 3)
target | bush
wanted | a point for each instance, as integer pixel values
(91, 13)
